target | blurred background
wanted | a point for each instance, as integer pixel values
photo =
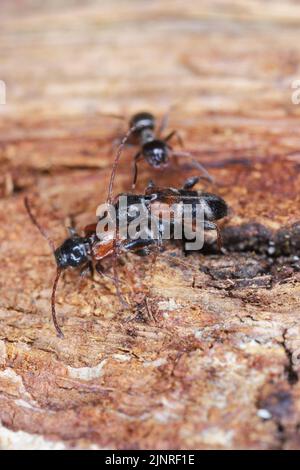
(68, 57)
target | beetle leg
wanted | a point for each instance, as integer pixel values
(100, 270)
(190, 182)
(88, 268)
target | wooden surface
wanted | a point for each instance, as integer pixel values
(214, 361)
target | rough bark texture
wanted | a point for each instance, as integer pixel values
(214, 360)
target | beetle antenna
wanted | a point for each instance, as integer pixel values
(54, 318)
(116, 161)
(36, 223)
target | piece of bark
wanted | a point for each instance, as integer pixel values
(212, 359)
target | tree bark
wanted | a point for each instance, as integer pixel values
(207, 356)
